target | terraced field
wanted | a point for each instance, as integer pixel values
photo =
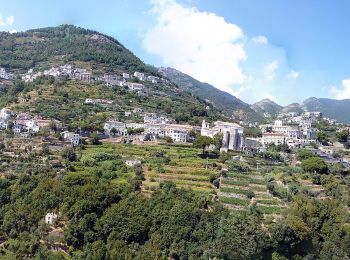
(179, 164)
(185, 169)
(239, 190)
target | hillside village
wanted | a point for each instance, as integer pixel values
(104, 157)
(296, 131)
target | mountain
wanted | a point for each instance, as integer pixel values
(266, 106)
(336, 109)
(294, 107)
(46, 47)
(63, 98)
(332, 108)
(224, 101)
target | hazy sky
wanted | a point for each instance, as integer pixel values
(285, 50)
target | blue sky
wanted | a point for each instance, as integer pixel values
(283, 50)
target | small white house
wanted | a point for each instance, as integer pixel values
(50, 218)
(139, 75)
(126, 76)
(132, 163)
(71, 137)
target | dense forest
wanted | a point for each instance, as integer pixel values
(104, 221)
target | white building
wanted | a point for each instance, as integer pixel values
(139, 75)
(6, 75)
(112, 80)
(5, 113)
(178, 133)
(50, 218)
(152, 118)
(25, 123)
(119, 128)
(232, 134)
(153, 79)
(135, 86)
(91, 101)
(126, 75)
(280, 128)
(3, 124)
(71, 137)
(273, 138)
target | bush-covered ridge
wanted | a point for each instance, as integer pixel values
(56, 45)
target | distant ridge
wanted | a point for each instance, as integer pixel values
(229, 104)
(267, 106)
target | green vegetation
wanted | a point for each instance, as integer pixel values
(234, 201)
(108, 210)
(314, 164)
(202, 142)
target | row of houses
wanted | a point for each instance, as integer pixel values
(149, 131)
(6, 75)
(304, 130)
(110, 79)
(24, 125)
(67, 70)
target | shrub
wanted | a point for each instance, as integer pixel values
(238, 166)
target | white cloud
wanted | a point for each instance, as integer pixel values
(293, 74)
(260, 39)
(201, 44)
(343, 92)
(270, 70)
(270, 96)
(8, 21)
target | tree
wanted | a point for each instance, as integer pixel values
(69, 154)
(202, 142)
(113, 131)
(347, 145)
(322, 137)
(217, 140)
(304, 154)
(168, 139)
(315, 165)
(94, 138)
(342, 136)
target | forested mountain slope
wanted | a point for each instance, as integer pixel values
(224, 101)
